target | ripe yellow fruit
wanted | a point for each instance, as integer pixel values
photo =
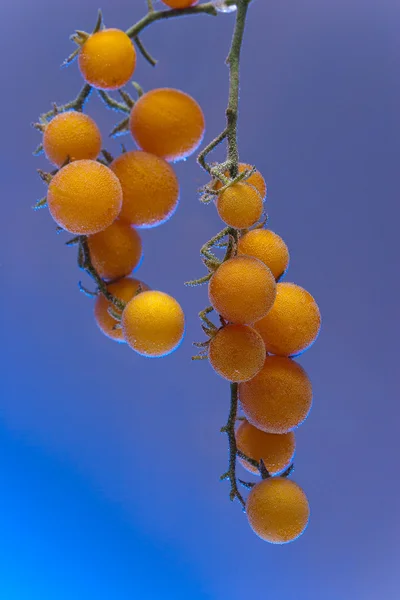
(150, 188)
(153, 324)
(72, 135)
(84, 197)
(237, 352)
(278, 399)
(277, 510)
(124, 290)
(256, 180)
(293, 323)
(268, 247)
(116, 251)
(241, 289)
(276, 450)
(240, 205)
(180, 3)
(168, 123)
(107, 59)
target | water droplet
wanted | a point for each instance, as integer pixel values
(224, 7)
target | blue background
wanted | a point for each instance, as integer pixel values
(109, 462)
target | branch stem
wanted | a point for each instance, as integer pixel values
(112, 103)
(146, 55)
(229, 429)
(232, 110)
(218, 171)
(76, 104)
(86, 265)
(201, 159)
(157, 15)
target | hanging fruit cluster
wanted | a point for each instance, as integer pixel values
(263, 322)
(105, 201)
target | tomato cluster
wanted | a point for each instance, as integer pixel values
(106, 204)
(266, 322)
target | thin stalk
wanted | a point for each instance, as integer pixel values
(229, 429)
(86, 265)
(231, 164)
(208, 9)
(232, 110)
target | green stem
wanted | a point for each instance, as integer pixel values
(200, 281)
(233, 62)
(208, 9)
(231, 164)
(112, 103)
(232, 110)
(230, 132)
(146, 55)
(86, 265)
(76, 104)
(201, 159)
(229, 429)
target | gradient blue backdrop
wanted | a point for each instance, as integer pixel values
(109, 462)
